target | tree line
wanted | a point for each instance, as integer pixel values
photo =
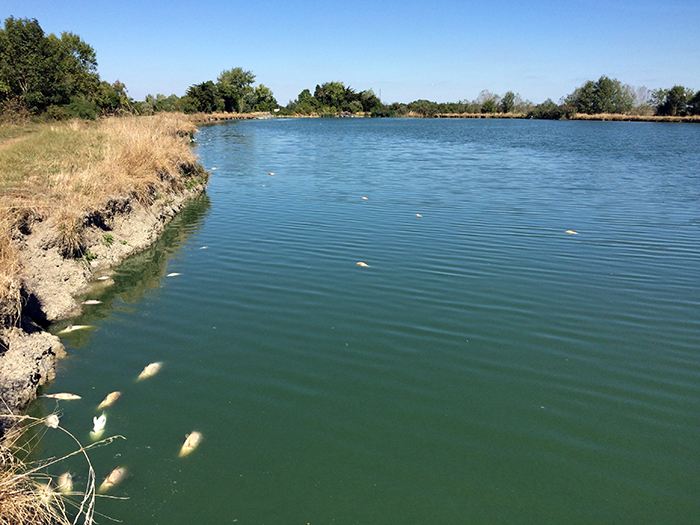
(57, 77)
(42, 73)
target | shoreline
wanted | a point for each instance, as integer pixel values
(49, 280)
(28, 353)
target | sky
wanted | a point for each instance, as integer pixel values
(440, 50)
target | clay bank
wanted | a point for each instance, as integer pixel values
(75, 200)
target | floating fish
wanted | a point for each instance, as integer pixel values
(52, 421)
(92, 301)
(363, 264)
(150, 370)
(65, 482)
(364, 198)
(116, 476)
(571, 232)
(99, 426)
(74, 327)
(62, 396)
(191, 442)
(109, 400)
(418, 215)
(203, 247)
(213, 169)
(172, 274)
(271, 173)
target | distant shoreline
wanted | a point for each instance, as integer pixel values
(204, 118)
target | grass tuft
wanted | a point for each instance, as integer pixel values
(27, 493)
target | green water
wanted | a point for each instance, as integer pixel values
(486, 367)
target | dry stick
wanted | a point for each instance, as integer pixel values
(87, 505)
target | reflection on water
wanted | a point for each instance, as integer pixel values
(138, 274)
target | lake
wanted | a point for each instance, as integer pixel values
(485, 366)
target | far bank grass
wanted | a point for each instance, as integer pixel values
(63, 171)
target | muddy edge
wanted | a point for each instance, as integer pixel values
(28, 354)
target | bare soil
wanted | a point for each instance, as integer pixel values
(28, 354)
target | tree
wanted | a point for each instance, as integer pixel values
(112, 98)
(507, 104)
(694, 104)
(424, 108)
(78, 66)
(603, 96)
(672, 102)
(489, 106)
(264, 99)
(28, 65)
(204, 97)
(233, 85)
(333, 95)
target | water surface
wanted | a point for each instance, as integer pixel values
(487, 367)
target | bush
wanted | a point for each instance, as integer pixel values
(550, 111)
(81, 108)
(56, 113)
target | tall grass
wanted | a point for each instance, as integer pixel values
(28, 493)
(62, 172)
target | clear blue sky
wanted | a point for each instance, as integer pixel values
(444, 50)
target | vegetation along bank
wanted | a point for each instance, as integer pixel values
(76, 198)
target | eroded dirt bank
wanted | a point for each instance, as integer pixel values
(50, 281)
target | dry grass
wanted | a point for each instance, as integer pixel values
(27, 493)
(634, 118)
(62, 172)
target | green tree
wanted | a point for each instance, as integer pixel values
(264, 99)
(205, 97)
(78, 66)
(507, 104)
(489, 106)
(112, 98)
(233, 85)
(694, 104)
(603, 96)
(332, 95)
(673, 102)
(424, 108)
(28, 65)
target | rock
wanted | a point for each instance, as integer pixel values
(27, 361)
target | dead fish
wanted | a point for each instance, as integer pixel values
(150, 370)
(191, 442)
(74, 327)
(271, 173)
(98, 426)
(52, 421)
(103, 278)
(115, 477)
(213, 169)
(418, 215)
(65, 482)
(62, 396)
(571, 232)
(203, 247)
(363, 264)
(92, 301)
(172, 274)
(364, 198)
(109, 400)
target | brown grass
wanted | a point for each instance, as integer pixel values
(27, 490)
(62, 172)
